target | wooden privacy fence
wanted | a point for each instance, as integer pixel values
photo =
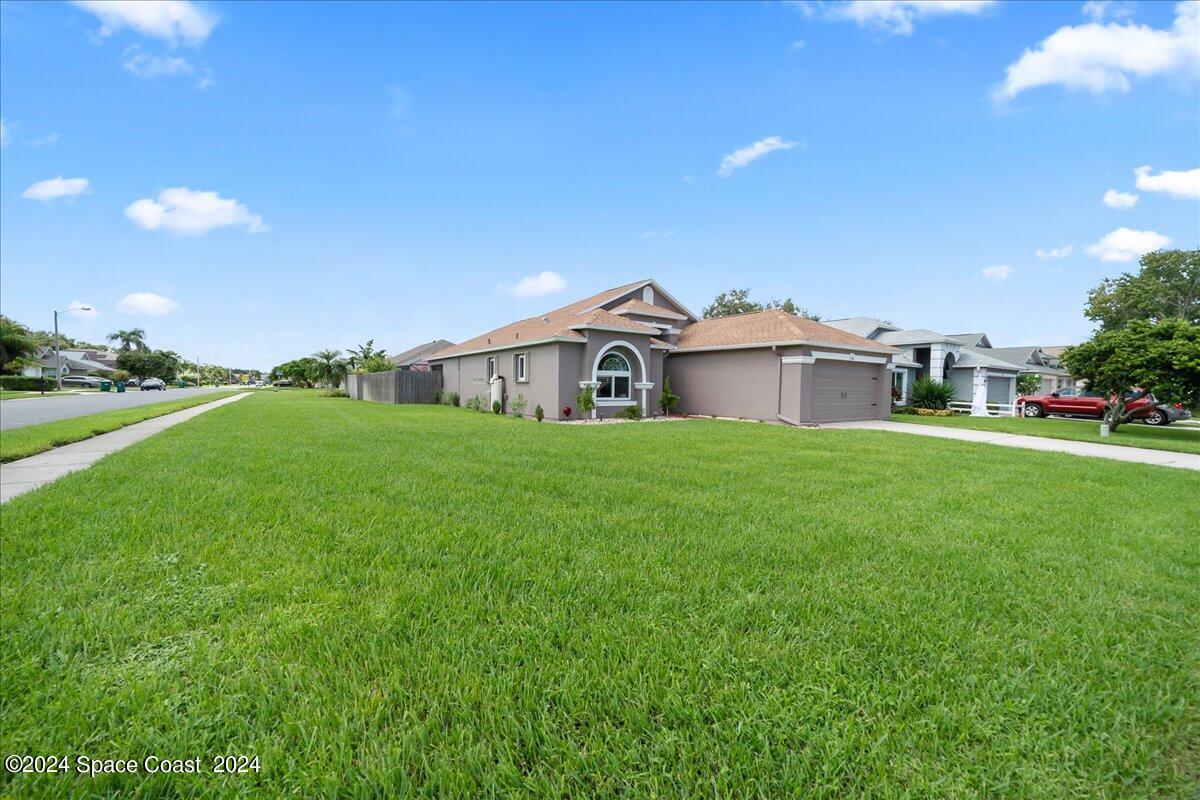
(394, 386)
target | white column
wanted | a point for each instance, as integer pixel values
(645, 386)
(937, 362)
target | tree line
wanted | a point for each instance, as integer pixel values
(329, 367)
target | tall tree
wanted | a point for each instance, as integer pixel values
(15, 341)
(737, 301)
(365, 352)
(1168, 285)
(1162, 358)
(132, 339)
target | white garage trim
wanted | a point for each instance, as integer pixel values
(798, 360)
(849, 357)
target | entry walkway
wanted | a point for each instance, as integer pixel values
(1116, 452)
(19, 477)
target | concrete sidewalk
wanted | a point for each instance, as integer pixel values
(1116, 452)
(18, 477)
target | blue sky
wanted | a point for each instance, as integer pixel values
(393, 171)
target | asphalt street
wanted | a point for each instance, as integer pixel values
(19, 412)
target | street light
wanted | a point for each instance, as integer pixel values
(57, 349)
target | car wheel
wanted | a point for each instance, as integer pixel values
(1157, 417)
(1032, 410)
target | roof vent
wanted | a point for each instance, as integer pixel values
(545, 319)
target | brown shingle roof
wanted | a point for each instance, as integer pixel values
(556, 323)
(767, 327)
(635, 306)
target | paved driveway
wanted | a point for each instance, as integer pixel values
(22, 411)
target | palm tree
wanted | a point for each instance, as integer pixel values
(130, 339)
(331, 367)
(365, 353)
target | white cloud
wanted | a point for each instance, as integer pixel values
(4, 140)
(148, 65)
(1124, 244)
(1102, 58)
(744, 155)
(49, 140)
(894, 17)
(54, 188)
(1179, 183)
(1114, 199)
(205, 80)
(1055, 252)
(191, 213)
(539, 285)
(997, 273)
(76, 309)
(170, 20)
(147, 303)
(657, 234)
(1100, 10)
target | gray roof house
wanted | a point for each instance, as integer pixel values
(71, 362)
(623, 342)
(1035, 361)
(417, 358)
(965, 360)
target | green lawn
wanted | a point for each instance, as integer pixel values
(418, 600)
(1176, 438)
(32, 439)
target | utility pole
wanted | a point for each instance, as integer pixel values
(58, 349)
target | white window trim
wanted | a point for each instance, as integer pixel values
(489, 368)
(612, 374)
(521, 367)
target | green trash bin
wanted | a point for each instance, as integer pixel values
(120, 387)
(105, 386)
(182, 385)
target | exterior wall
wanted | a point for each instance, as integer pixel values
(728, 383)
(963, 380)
(466, 375)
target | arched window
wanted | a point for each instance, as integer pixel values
(614, 377)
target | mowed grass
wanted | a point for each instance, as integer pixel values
(1176, 438)
(424, 601)
(33, 439)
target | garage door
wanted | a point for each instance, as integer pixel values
(997, 389)
(844, 391)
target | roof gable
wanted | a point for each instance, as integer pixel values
(560, 324)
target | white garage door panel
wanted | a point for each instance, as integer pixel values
(844, 391)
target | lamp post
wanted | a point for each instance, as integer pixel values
(58, 349)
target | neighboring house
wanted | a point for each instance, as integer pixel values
(1035, 361)
(71, 362)
(965, 360)
(417, 358)
(622, 342)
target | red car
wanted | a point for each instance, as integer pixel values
(1076, 403)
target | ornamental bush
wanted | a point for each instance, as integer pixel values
(21, 383)
(539, 414)
(931, 394)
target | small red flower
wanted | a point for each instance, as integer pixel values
(566, 411)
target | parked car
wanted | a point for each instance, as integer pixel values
(282, 383)
(132, 382)
(1166, 413)
(153, 383)
(90, 381)
(1139, 405)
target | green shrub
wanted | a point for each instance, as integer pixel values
(631, 412)
(121, 375)
(585, 401)
(669, 399)
(539, 414)
(517, 405)
(933, 412)
(20, 383)
(334, 393)
(904, 410)
(931, 394)
(496, 407)
(437, 396)
(1028, 384)
(452, 399)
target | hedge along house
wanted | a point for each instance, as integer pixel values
(622, 342)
